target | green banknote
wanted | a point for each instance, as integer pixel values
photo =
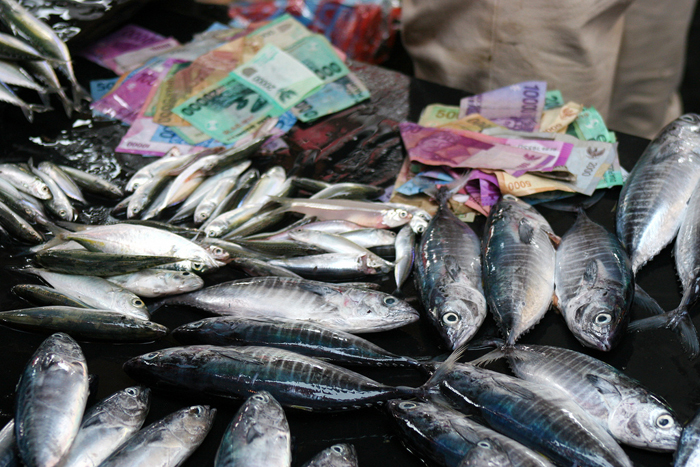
(553, 99)
(589, 125)
(333, 97)
(225, 110)
(317, 54)
(281, 78)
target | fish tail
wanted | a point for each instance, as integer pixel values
(644, 301)
(65, 102)
(677, 320)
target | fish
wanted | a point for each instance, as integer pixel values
(258, 435)
(349, 191)
(271, 183)
(256, 267)
(133, 239)
(225, 222)
(84, 323)
(46, 296)
(448, 276)
(93, 183)
(9, 456)
(621, 405)
(153, 283)
(23, 204)
(294, 380)
(12, 48)
(446, 436)
(95, 292)
(98, 264)
(332, 226)
(160, 167)
(233, 199)
(363, 213)
(167, 442)
(655, 195)
(50, 401)
(370, 238)
(339, 307)
(43, 72)
(59, 204)
(338, 455)
(145, 194)
(12, 74)
(107, 425)
(328, 266)
(538, 416)
(281, 248)
(688, 452)
(18, 226)
(44, 39)
(405, 244)
(63, 180)
(594, 284)
(8, 96)
(24, 180)
(257, 223)
(518, 266)
(301, 337)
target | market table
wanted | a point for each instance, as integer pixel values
(365, 147)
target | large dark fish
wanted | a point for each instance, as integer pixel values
(447, 436)
(519, 263)
(688, 453)
(594, 284)
(51, 397)
(631, 413)
(448, 275)
(538, 416)
(657, 191)
(293, 379)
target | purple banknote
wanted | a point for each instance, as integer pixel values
(518, 107)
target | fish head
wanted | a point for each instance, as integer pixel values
(339, 455)
(395, 217)
(486, 452)
(265, 409)
(39, 189)
(645, 421)
(684, 125)
(133, 401)
(162, 365)
(216, 252)
(459, 313)
(600, 319)
(382, 311)
(196, 421)
(186, 281)
(412, 411)
(419, 222)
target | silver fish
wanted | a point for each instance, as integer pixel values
(107, 425)
(271, 183)
(18, 226)
(213, 198)
(167, 442)
(9, 456)
(257, 267)
(332, 226)
(25, 181)
(11, 73)
(93, 183)
(44, 73)
(594, 284)
(349, 191)
(364, 213)
(336, 266)
(344, 308)
(13, 48)
(59, 204)
(338, 455)
(63, 180)
(405, 243)
(448, 275)
(653, 200)
(519, 264)
(688, 453)
(370, 238)
(96, 292)
(631, 413)
(446, 436)
(7, 95)
(258, 435)
(152, 283)
(161, 166)
(51, 397)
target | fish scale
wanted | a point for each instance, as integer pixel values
(518, 266)
(655, 195)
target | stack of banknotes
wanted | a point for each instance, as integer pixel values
(521, 140)
(224, 88)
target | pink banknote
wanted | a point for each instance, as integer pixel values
(518, 107)
(127, 39)
(467, 149)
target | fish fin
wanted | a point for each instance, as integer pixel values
(554, 238)
(317, 288)
(489, 357)
(444, 367)
(236, 355)
(526, 231)
(644, 301)
(590, 275)
(677, 320)
(445, 192)
(602, 385)
(253, 433)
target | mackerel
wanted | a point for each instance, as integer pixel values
(338, 455)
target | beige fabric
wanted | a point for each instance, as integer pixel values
(478, 45)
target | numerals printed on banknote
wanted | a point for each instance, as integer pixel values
(517, 107)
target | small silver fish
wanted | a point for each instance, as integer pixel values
(338, 455)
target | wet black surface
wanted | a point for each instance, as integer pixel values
(656, 359)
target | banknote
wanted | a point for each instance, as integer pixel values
(423, 181)
(483, 187)
(558, 119)
(317, 54)
(204, 71)
(472, 122)
(435, 115)
(282, 32)
(282, 79)
(553, 99)
(333, 97)
(529, 184)
(456, 148)
(100, 87)
(518, 107)
(589, 125)
(127, 39)
(129, 61)
(225, 110)
(189, 134)
(616, 175)
(126, 101)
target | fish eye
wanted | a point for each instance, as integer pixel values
(390, 301)
(484, 444)
(185, 273)
(408, 405)
(62, 212)
(130, 391)
(258, 397)
(137, 302)
(450, 318)
(196, 411)
(150, 356)
(337, 448)
(45, 189)
(603, 318)
(664, 421)
(403, 214)
(197, 266)
(218, 251)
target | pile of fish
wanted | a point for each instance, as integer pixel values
(28, 57)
